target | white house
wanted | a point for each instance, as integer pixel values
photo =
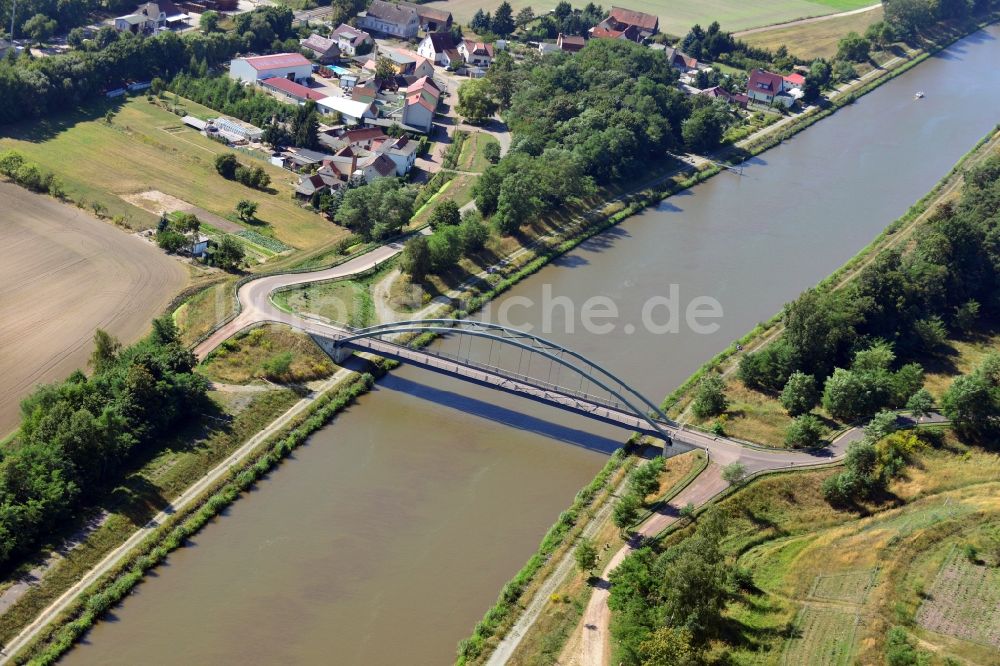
(151, 17)
(402, 151)
(439, 48)
(352, 111)
(292, 66)
(420, 103)
(391, 19)
(479, 54)
(352, 41)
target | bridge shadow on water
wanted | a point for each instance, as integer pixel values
(502, 415)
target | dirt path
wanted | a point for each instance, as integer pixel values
(813, 19)
(63, 275)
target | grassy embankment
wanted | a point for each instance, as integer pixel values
(272, 352)
(146, 148)
(830, 583)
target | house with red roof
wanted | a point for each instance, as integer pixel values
(292, 66)
(794, 80)
(767, 88)
(627, 24)
(420, 101)
(477, 54)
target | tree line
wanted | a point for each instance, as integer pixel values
(32, 88)
(77, 436)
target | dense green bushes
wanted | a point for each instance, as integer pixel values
(77, 435)
(28, 174)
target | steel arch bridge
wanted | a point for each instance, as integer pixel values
(544, 370)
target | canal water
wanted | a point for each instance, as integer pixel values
(385, 539)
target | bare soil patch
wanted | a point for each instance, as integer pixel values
(63, 275)
(158, 203)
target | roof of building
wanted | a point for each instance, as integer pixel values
(391, 12)
(631, 17)
(197, 123)
(309, 185)
(765, 82)
(292, 88)
(401, 146)
(424, 83)
(478, 48)
(320, 44)
(363, 134)
(154, 9)
(437, 15)
(676, 57)
(363, 94)
(570, 43)
(631, 33)
(796, 79)
(347, 107)
(441, 41)
(383, 165)
(277, 61)
(356, 36)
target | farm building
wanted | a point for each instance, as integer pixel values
(352, 111)
(290, 90)
(291, 66)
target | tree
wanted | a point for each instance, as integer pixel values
(800, 393)
(734, 473)
(843, 71)
(106, 348)
(446, 214)
(972, 402)
(966, 316)
(472, 234)
(416, 258)
(377, 210)
(503, 20)
(646, 479)
(805, 431)
(475, 101)
(491, 151)
(626, 511)
(710, 398)
(229, 253)
(703, 130)
(502, 78)
(668, 646)
(820, 71)
(585, 555)
(246, 210)
(75, 37)
(880, 34)
(225, 164)
(921, 403)
(524, 16)
(385, 69)
(39, 27)
(908, 17)
(165, 330)
(480, 22)
(209, 21)
(845, 395)
(853, 47)
(171, 241)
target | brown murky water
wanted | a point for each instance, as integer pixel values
(385, 539)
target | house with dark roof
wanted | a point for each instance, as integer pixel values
(390, 18)
(680, 60)
(438, 47)
(570, 43)
(352, 41)
(767, 88)
(627, 24)
(324, 50)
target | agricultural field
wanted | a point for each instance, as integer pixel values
(678, 16)
(64, 275)
(145, 155)
(841, 579)
(816, 39)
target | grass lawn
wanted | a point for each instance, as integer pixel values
(471, 157)
(271, 352)
(677, 17)
(814, 40)
(346, 302)
(146, 148)
(200, 314)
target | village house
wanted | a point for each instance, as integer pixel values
(408, 63)
(680, 60)
(292, 66)
(152, 17)
(718, 92)
(420, 102)
(352, 41)
(768, 88)
(352, 112)
(627, 24)
(290, 91)
(794, 80)
(402, 151)
(391, 19)
(570, 43)
(431, 20)
(324, 50)
(478, 54)
(439, 48)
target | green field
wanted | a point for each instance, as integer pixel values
(678, 16)
(823, 637)
(146, 148)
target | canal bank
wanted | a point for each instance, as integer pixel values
(586, 257)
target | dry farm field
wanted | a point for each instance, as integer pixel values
(64, 274)
(813, 40)
(677, 16)
(964, 601)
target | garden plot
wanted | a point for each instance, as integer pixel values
(964, 602)
(849, 586)
(824, 637)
